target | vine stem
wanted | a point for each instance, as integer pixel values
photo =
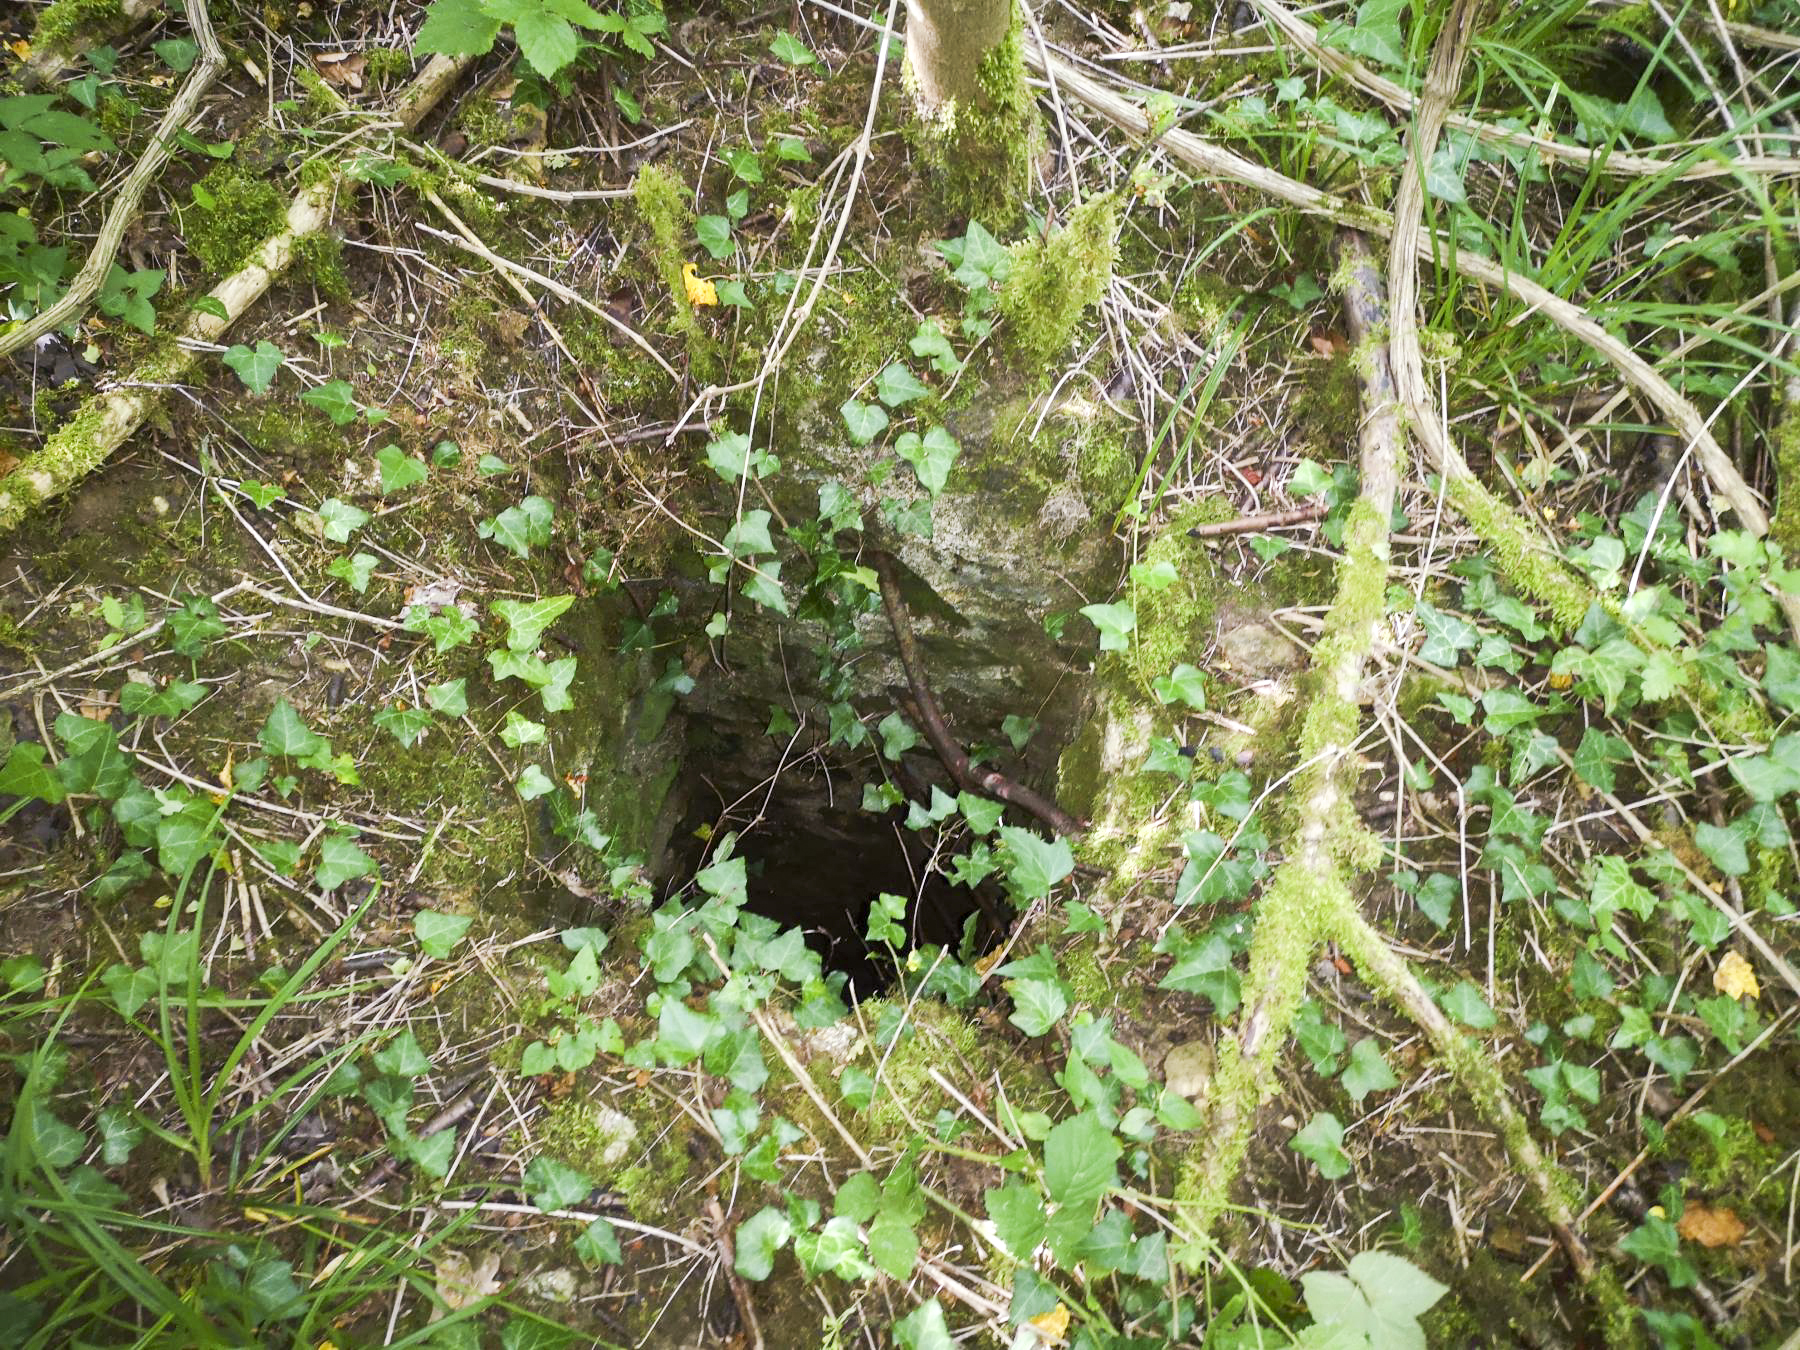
(125, 202)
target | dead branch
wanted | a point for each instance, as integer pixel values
(93, 273)
(1216, 162)
(1397, 97)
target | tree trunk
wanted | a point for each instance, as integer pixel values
(977, 120)
(945, 43)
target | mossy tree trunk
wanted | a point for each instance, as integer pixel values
(964, 67)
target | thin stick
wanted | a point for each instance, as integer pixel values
(556, 288)
(1269, 520)
(954, 759)
(124, 206)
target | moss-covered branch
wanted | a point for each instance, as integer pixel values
(107, 420)
(1308, 896)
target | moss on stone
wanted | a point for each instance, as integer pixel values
(1175, 623)
(591, 1137)
(1057, 278)
(232, 214)
(59, 22)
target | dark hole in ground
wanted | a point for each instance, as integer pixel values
(817, 861)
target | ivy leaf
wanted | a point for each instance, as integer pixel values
(1781, 677)
(1115, 622)
(787, 47)
(1367, 1071)
(285, 733)
(553, 1185)
(1724, 846)
(1657, 1243)
(1037, 1005)
(749, 536)
(1035, 865)
(714, 234)
(1465, 1003)
(256, 368)
(355, 570)
(523, 527)
(1596, 756)
(527, 620)
(897, 385)
(1185, 684)
(340, 860)
(338, 520)
(399, 470)
(864, 421)
(758, 1239)
(1506, 709)
(893, 1246)
(1018, 1214)
(439, 933)
(1080, 1161)
(1446, 636)
(598, 1245)
(450, 698)
(931, 456)
(25, 775)
(765, 587)
(336, 399)
(1614, 889)
(1322, 1140)
(406, 725)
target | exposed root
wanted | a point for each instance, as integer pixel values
(953, 757)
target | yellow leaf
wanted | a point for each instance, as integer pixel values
(1054, 1323)
(20, 48)
(1736, 978)
(700, 291)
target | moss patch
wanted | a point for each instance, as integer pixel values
(232, 214)
(60, 22)
(1056, 279)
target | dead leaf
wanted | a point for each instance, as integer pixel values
(700, 291)
(344, 69)
(1053, 1324)
(1711, 1227)
(1735, 978)
(461, 1282)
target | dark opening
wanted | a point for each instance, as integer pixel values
(816, 860)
